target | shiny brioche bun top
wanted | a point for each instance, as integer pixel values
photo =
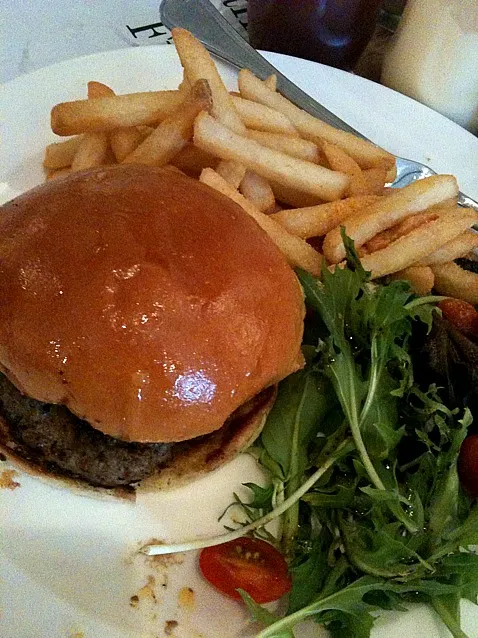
(146, 302)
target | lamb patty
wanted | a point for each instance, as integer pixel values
(57, 440)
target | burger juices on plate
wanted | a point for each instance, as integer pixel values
(144, 322)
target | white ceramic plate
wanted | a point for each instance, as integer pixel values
(68, 564)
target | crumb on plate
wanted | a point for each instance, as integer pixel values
(169, 627)
(186, 598)
(6, 480)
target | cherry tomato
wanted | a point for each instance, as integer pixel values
(249, 564)
(461, 314)
(468, 465)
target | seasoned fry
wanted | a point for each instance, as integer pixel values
(212, 136)
(315, 221)
(338, 160)
(262, 118)
(198, 64)
(109, 113)
(375, 180)
(295, 146)
(454, 281)
(98, 89)
(124, 141)
(296, 251)
(383, 239)
(421, 278)
(421, 241)
(458, 247)
(387, 212)
(174, 132)
(366, 154)
(271, 82)
(232, 172)
(257, 190)
(192, 160)
(91, 152)
(61, 154)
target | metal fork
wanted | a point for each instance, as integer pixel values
(220, 38)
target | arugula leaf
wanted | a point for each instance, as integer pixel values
(302, 401)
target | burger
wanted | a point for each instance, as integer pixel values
(145, 320)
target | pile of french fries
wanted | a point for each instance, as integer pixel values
(299, 178)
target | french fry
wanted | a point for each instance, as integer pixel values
(296, 251)
(454, 281)
(316, 221)
(124, 141)
(61, 154)
(257, 190)
(98, 89)
(212, 136)
(271, 82)
(192, 160)
(198, 64)
(421, 278)
(376, 178)
(174, 132)
(262, 118)
(421, 241)
(388, 211)
(295, 146)
(109, 113)
(232, 172)
(383, 239)
(60, 172)
(366, 154)
(292, 197)
(458, 247)
(94, 145)
(91, 152)
(339, 160)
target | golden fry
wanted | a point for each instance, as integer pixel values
(198, 65)
(366, 154)
(296, 251)
(458, 247)
(232, 172)
(109, 113)
(295, 146)
(61, 154)
(174, 132)
(262, 118)
(399, 204)
(421, 278)
(271, 82)
(453, 281)
(257, 190)
(421, 241)
(316, 221)
(212, 136)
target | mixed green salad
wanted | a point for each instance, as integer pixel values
(363, 464)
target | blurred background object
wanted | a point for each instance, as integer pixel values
(433, 58)
(333, 32)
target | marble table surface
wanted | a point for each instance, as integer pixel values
(37, 33)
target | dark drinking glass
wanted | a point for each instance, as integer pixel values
(334, 32)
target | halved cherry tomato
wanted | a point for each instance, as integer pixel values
(468, 465)
(247, 563)
(461, 314)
